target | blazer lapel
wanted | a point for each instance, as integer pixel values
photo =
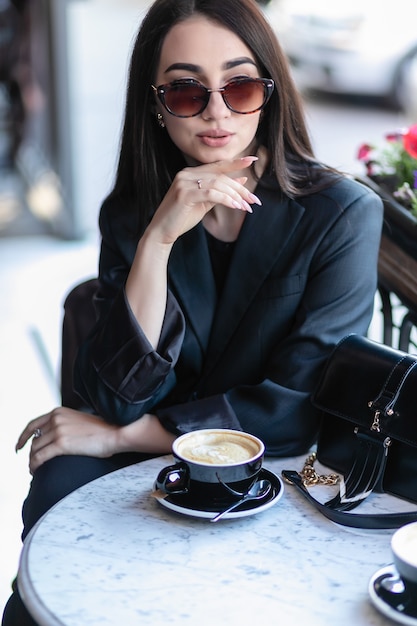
(267, 230)
(192, 278)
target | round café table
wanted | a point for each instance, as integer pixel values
(110, 553)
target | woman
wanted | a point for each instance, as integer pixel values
(231, 261)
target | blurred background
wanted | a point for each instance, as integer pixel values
(63, 70)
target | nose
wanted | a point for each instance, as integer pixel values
(216, 107)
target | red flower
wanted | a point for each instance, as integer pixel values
(410, 141)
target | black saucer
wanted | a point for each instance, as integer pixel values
(388, 594)
(181, 503)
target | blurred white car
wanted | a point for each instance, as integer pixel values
(363, 47)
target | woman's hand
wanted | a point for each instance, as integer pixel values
(195, 191)
(66, 431)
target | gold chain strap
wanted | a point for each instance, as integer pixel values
(311, 477)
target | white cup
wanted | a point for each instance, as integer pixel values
(404, 550)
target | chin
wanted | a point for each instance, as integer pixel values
(205, 157)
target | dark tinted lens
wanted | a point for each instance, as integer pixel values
(185, 100)
(245, 96)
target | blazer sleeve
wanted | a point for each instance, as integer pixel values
(117, 372)
(338, 300)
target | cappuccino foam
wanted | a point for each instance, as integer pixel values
(216, 449)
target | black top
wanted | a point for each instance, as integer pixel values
(220, 255)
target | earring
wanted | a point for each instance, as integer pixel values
(160, 120)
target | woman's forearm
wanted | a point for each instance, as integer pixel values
(146, 286)
(65, 431)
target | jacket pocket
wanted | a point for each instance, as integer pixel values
(280, 287)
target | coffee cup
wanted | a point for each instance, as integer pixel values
(214, 466)
(404, 550)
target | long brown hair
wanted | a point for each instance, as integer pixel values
(149, 160)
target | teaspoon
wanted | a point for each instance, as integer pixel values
(258, 491)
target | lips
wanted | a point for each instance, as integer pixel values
(215, 134)
(215, 138)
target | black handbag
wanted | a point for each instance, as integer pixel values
(367, 396)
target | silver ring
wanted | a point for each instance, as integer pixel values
(199, 183)
(37, 433)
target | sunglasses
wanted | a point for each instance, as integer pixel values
(187, 97)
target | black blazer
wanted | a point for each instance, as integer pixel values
(303, 274)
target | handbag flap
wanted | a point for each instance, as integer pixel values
(371, 385)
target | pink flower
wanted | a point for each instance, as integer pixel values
(394, 136)
(364, 152)
(410, 141)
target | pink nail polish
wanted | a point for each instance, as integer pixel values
(255, 199)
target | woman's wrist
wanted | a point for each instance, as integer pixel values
(144, 435)
(151, 245)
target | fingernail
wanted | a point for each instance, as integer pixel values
(247, 207)
(254, 199)
(249, 158)
(237, 204)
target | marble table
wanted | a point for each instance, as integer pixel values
(109, 553)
